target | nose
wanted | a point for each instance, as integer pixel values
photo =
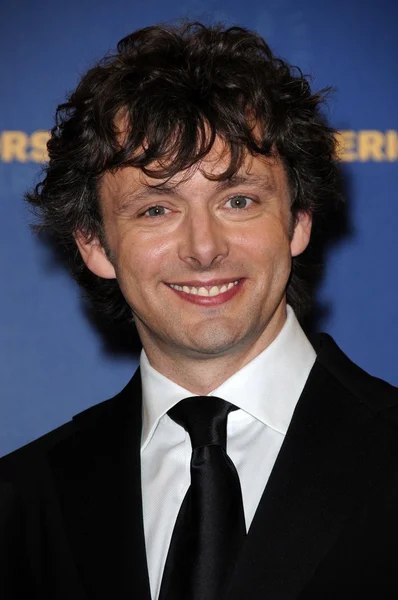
(204, 242)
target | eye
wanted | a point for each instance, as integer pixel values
(239, 202)
(156, 211)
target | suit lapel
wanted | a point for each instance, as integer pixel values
(329, 457)
(98, 481)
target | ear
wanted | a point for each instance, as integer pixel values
(301, 234)
(94, 255)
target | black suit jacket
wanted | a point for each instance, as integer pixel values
(327, 525)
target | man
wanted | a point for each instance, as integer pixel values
(240, 462)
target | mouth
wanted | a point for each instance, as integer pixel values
(213, 293)
(205, 291)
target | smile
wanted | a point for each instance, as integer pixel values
(205, 291)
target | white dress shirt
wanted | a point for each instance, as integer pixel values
(266, 390)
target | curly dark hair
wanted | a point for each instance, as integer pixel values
(177, 88)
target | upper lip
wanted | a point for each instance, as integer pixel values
(210, 283)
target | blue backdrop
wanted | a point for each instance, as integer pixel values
(54, 363)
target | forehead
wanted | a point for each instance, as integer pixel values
(209, 173)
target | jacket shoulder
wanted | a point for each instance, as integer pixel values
(378, 395)
(83, 425)
(31, 451)
(33, 454)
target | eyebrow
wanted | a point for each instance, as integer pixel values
(250, 180)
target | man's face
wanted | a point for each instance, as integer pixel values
(203, 264)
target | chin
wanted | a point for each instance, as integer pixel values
(213, 341)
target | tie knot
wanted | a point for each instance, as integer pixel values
(204, 418)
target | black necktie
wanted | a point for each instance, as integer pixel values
(210, 526)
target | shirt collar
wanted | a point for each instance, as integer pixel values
(267, 388)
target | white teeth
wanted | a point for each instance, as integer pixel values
(215, 290)
(202, 292)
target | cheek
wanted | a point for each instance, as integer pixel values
(268, 244)
(140, 260)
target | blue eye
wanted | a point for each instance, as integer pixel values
(239, 202)
(156, 211)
